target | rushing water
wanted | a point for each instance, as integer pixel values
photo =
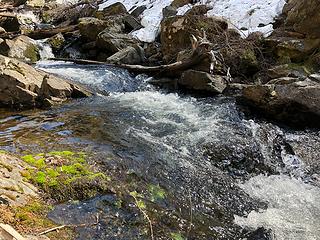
(231, 171)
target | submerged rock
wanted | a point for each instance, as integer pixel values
(22, 86)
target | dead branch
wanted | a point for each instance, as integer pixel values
(46, 33)
(9, 35)
(84, 2)
(145, 214)
(8, 14)
(53, 229)
(201, 52)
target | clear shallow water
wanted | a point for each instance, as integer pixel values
(202, 149)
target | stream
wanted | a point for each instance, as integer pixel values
(226, 175)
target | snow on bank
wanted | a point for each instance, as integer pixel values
(247, 15)
(253, 15)
(150, 18)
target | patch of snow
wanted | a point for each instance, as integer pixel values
(28, 17)
(150, 18)
(65, 2)
(246, 15)
(182, 10)
(253, 15)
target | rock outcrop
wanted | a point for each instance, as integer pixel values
(202, 81)
(303, 17)
(21, 47)
(13, 189)
(290, 100)
(22, 86)
(112, 42)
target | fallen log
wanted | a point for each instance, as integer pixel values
(40, 33)
(8, 14)
(46, 33)
(200, 53)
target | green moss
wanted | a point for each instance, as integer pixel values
(177, 236)
(40, 178)
(156, 193)
(32, 218)
(76, 169)
(32, 53)
(58, 173)
(3, 151)
(29, 159)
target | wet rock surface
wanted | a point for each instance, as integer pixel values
(22, 47)
(202, 81)
(294, 102)
(22, 86)
(14, 191)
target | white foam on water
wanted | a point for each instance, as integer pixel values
(101, 78)
(293, 211)
(175, 124)
(45, 49)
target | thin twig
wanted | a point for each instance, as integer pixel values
(146, 217)
(70, 226)
(191, 215)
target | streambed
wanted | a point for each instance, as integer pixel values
(224, 175)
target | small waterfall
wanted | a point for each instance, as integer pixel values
(45, 50)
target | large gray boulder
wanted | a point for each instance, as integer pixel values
(128, 55)
(114, 9)
(296, 102)
(23, 86)
(113, 42)
(202, 81)
(303, 17)
(21, 47)
(90, 27)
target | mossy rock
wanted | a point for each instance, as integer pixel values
(32, 53)
(65, 175)
(32, 218)
(56, 42)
